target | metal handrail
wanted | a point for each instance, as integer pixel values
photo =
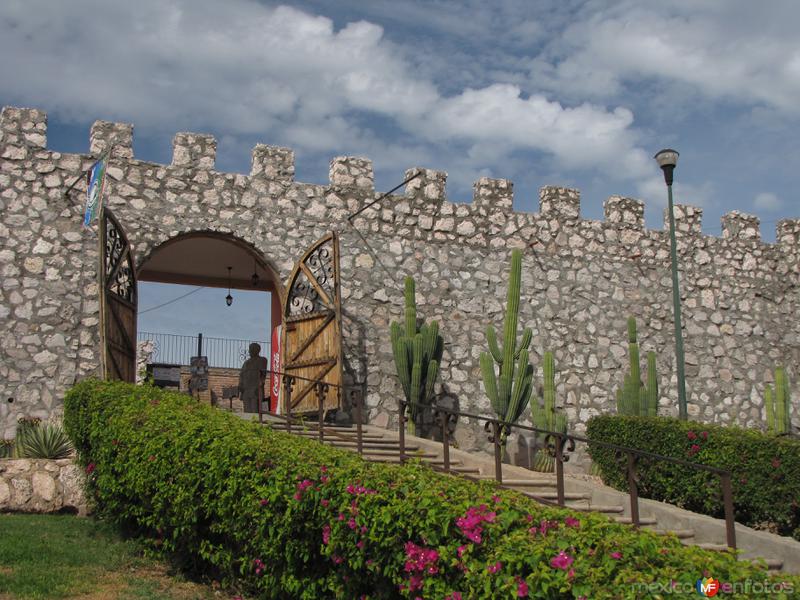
(555, 443)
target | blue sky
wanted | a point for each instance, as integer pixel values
(563, 92)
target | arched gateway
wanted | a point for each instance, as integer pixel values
(310, 305)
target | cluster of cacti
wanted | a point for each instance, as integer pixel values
(417, 355)
(544, 415)
(635, 397)
(778, 405)
(509, 392)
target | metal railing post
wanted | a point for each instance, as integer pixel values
(498, 457)
(355, 400)
(401, 432)
(633, 489)
(444, 419)
(288, 384)
(727, 499)
(559, 458)
(322, 391)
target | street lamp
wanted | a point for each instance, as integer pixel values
(667, 159)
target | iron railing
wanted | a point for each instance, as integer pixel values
(225, 353)
(557, 444)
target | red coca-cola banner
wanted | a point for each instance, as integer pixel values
(274, 377)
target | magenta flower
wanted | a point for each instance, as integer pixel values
(470, 523)
(572, 522)
(337, 559)
(461, 550)
(704, 435)
(263, 502)
(453, 596)
(616, 555)
(691, 435)
(496, 499)
(326, 534)
(89, 468)
(561, 561)
(522, 588)
(360, 544)
(325, 502)
(351, 523)
(495, 567)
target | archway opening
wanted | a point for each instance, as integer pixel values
(183, 314)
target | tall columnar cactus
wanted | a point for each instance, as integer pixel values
(544, 414)
(634, 397)
(417, 355)
(779, 418)
(510, 392)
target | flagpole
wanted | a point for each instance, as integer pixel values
(106, 154)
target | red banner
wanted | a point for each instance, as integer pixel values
(274, 376)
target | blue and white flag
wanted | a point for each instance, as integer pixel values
(94, 194)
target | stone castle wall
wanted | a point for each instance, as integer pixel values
(581, 278)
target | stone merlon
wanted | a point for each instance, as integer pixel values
(273, 162)
(194, 150)
(23, 127)
(560, 203)
(737, 225)
(106, 133)
(351, 171)
(688, 219)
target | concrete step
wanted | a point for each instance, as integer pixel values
(585, 506)
(549, 495)
(521, 482)
(642, 520)
(394, 453)
(683, 534)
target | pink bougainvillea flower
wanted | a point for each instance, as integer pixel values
(453, 596)
(337, 559)
(561, 561)
(340, 517)
(571, 574)
(325, 502)
(572, 522)
(691, 435)
(496, 499)
(360, 544)
(297, 496)
(263, 502)
(495, 567)
(461, 550)
(522, 588)
(616, 555)
(89, 468)
(704, 435)
(351, 523)
(776, 463)
(326, 534)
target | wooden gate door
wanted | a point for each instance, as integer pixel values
(312, 327)
(118, 297)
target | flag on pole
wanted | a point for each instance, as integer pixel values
(94, 194)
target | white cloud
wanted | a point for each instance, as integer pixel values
(736, 50)
(767, 201)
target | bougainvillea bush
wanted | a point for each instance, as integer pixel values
(765, 468)
(278, 516)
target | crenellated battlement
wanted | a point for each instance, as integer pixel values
(23, 130)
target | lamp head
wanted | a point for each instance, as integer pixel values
(667, 159)
(229, 299)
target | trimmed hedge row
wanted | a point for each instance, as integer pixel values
(765, 468)
(278, 516)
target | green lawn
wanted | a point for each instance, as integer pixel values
(63, 556)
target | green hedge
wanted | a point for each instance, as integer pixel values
(278, 516)
(765, 468)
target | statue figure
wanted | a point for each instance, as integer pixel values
(252, 378)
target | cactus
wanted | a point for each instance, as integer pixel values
(778, 406)
(417, 355)
(544, 415)
(634, 397)
(510, 392)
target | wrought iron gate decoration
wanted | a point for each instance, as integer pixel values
(118, 298)
(312, 317)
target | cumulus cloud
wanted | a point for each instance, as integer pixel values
(767, 201)
(735, 50)
(252, 69)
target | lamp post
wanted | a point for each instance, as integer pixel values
(667, 159)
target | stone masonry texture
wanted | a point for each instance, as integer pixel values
(581, 278)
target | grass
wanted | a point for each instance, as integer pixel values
(62, 556)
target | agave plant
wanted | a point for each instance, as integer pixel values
(44, 441)
(6, 448)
